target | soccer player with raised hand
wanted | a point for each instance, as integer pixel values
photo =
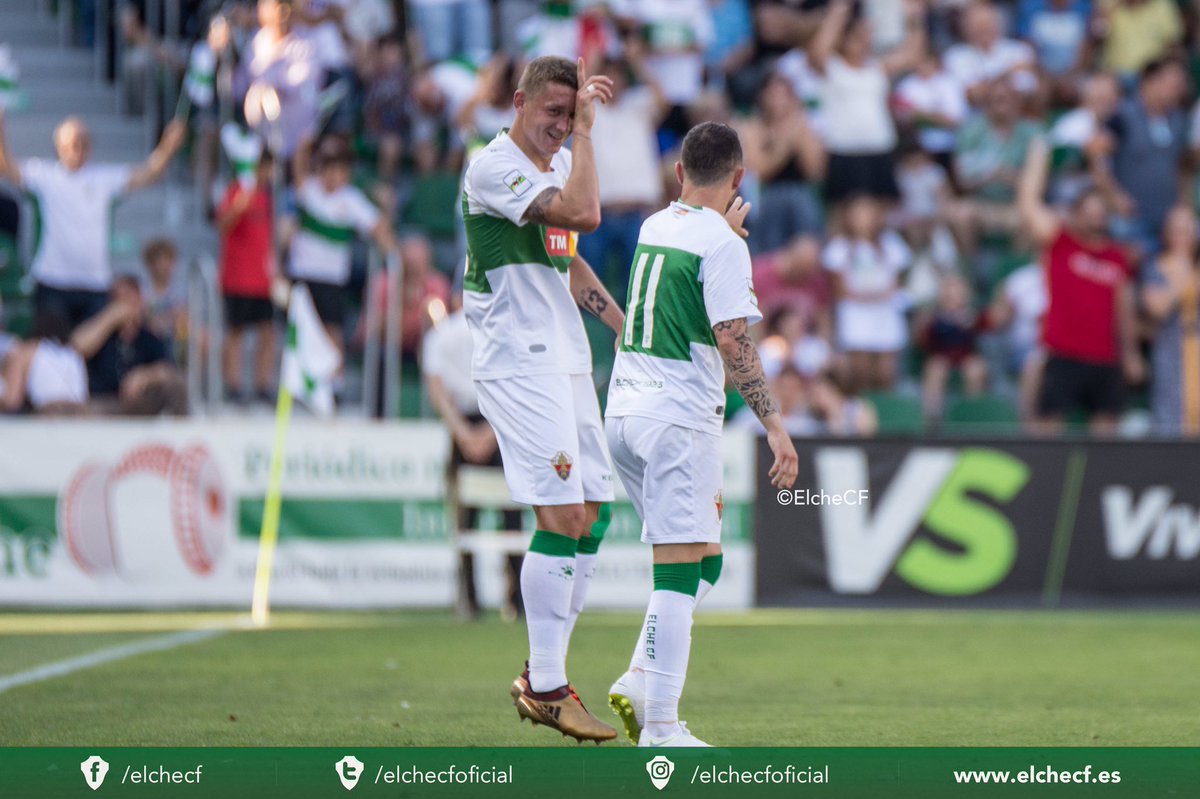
(525, 200)
(691, 300)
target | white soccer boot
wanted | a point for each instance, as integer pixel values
(627, 698)
(682, 738)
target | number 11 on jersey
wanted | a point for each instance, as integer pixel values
(646, 303)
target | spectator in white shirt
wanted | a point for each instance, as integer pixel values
(857, 122)
(932, 104)
(71, 268)
(986, 55)
(628, 165)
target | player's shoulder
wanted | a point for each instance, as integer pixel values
(499, 164)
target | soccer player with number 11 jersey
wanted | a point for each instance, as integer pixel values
(691, 300)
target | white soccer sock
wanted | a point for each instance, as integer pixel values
(547, 582)
(637, 662)
(585, 568)
(667, 641)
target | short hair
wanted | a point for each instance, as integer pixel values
(158, 248)
(1160, 65)
(545, 70)
(711, 153)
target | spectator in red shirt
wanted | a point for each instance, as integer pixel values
(245, 224)
(1089, 330)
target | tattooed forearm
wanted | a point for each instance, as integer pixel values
(536, 212)
(592, 299)
(745, 368)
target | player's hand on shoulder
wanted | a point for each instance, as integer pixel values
(736, 216)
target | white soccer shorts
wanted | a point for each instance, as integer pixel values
(673, 476)
(551, 438)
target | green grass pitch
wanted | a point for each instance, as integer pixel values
(766, 678)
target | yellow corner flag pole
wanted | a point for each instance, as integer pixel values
(261, 607)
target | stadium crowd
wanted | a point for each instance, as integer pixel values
(966, 214)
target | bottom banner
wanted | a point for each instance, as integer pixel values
(586, 772)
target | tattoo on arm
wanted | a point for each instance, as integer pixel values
(745, 368)
(536, 212)
(591, 299)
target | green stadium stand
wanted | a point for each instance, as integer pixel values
(983, 415)
(898, 414)
(432, 205)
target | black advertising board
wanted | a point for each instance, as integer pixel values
(981, 522)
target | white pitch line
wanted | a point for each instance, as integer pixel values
(71, 665)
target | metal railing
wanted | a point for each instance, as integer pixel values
(385, 338)
(205, 381)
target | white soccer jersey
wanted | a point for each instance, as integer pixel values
(516, 292)
(690, 271)
(326, 225)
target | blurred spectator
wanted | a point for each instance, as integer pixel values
(985, 55)
(245, 222)
(282, 77)
(1019, 305)
(1171, 298)
(129, 368)
(1137, 32)
(790, 392)
(75, 199)
(1080, 134)
(1061, 36)
(45, 372)
(448, 28)
(857, 123)
(1089, 332)
(991, 149)
(322, 24)
(141, 56)
(166, 293)
(675, 33)
(446, 363)
(866, 262)
(423, 288)
(439, 93)
(732, 46)
(566, 29)
(628, 166)
(931, 104)
(330, 213)
(207, 85)
(1149, 154)
(490, 109)
(788, 158)
(385, 109)
(924, 198)
(791, 277)
(838, 412)
(948, 336)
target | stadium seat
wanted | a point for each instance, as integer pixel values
(984, 415)
(898, 414)
(432, 204)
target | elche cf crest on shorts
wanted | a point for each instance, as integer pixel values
(719, 501)
(562, 464)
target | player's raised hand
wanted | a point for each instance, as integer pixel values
(736, 216)
(597, 87)
(787, 462)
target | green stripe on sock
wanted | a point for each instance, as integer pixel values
(683, 578)
(710, 568)
(589, 545)
(553, 544)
